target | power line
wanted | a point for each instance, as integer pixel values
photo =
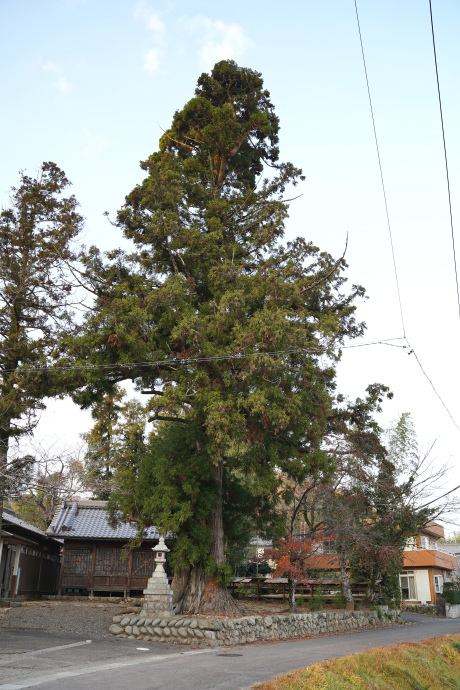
(411, 349)
(432, 385)
(439, 497)
(182, 361)
(445, 159)
(381, 171)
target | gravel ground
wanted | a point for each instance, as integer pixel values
(90, 620)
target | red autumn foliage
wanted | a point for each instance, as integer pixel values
(292, 557)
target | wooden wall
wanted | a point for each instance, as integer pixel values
(99, 567)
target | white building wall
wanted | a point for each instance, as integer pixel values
(422, 584)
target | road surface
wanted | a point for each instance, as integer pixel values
(61, 662)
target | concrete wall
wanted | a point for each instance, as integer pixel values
(227, 631)
(452, 610)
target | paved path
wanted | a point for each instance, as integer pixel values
(55, 662)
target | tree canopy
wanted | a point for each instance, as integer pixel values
(37, 234)
(234, 334)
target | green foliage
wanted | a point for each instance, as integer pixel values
(167, 481)
(253, 568)
(340, 601)
(209, 278)
(103, 444)
(317, 601)
(36, 235)
(402, 443)
(384, 497)
(454, 537)
(37, 232)
(452, 596)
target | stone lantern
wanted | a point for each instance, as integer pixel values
(158, 595)
(160, 551)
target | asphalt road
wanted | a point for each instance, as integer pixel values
(56, 662)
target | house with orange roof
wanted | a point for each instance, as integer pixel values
(426, 566)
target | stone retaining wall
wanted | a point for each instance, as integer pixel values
(217, 632)
(429, 609)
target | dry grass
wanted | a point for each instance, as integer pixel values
(429, 665)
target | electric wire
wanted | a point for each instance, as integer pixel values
(439, 497)
(445, 159)
(179, 361)
(381, 170)
(411, 349)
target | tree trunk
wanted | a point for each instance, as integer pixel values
(4, 443)
(193, 589)
(346, 588)
(292, 604)
(370, 592)
(188, 587)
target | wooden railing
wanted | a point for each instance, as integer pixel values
(269, 589)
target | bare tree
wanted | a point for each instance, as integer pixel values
(41, 480)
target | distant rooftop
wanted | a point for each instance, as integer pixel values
(10, 521)
(88, 520)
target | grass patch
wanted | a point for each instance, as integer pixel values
(429, 665)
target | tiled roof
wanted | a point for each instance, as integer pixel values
(10, 518)
(88, 519)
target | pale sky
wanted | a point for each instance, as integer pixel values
(89, 84)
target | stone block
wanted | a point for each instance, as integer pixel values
(125, 621)
(182, 632)
(116, 629)
(117, 619)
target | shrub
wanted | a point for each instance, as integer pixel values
(317, 600)
(452, 596)
(340, 602)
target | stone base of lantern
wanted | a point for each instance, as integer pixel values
(158, 597)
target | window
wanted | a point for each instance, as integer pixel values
(109, 561)
(438, 583)
(407, 584)
(143, 563)
(410, 544)
(77, 561)
(425, 542)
